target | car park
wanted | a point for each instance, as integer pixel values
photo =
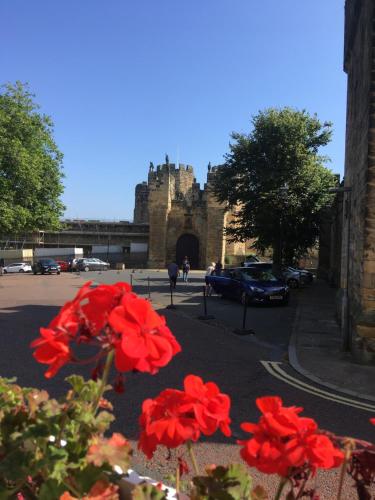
(250, 285)
(46, 266)
(18, 267)
(92, 264)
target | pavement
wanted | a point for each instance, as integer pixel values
(315, 346)
(245, 367)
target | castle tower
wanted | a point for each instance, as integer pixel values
(183, 219)
(141, 204)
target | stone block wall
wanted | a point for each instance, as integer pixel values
(177, 206)
(359, 63)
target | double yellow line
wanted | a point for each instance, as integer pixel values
(274, 369)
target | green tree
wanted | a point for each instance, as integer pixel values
(277, 182)
(30, 165)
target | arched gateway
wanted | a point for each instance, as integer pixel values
(188, 244)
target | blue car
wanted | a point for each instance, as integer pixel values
(250, 286)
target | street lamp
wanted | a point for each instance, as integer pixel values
(345, 317)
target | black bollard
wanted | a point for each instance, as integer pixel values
(171, 305)
(149, 290)
(243, 330)
(131, 280)
(205, 315)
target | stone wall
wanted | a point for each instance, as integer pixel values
(359, 63)
(178, 207)
(141, 204)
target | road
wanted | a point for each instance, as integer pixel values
(210, 349)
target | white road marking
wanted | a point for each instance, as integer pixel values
(274, 368)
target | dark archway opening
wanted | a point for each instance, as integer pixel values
(188, 244)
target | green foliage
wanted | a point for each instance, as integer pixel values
(277, 181)
(223, 483)
(30, 165)
(146, 491)
(44, 443)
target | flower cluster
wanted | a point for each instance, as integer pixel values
(283, 440)
(175, 417)
(113, 318)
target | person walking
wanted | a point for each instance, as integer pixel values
(209, 271)
(185, 269)
(218, 268)
(173, 273)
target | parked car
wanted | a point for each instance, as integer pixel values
(46, 266)
(92, 264)
(64, 266)
(250, 285)
(250, 259)
(304, 272)
(19, 267)
(293, 278)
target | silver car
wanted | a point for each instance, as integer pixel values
(92, 264)
(19, 267)
(293, 278)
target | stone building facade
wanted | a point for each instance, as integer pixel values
(183, 219)
(358, 237)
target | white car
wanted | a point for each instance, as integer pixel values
(19, 267)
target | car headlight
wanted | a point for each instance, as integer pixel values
(256, 289)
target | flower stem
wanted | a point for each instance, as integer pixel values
(282, 483)
(192, 457)
(178, 479)
(347, 454)
(104, 379)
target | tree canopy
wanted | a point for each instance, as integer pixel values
(30, 165)
(277, 183)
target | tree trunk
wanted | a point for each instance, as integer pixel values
(277, 257)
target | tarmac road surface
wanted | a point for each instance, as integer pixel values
(238, 364)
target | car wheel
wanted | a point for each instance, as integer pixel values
(244, 298)
(87, 269)
(292, 283)
(21, 271)
(58, 272)
(5, 271)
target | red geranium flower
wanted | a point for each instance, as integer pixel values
(282, 440)
(90, 308)
(52, 349)
(145, 343)
(168, 421)
(211, 407)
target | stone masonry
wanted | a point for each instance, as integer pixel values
(359, 214)
(179, 211)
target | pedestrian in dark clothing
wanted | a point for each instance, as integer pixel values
(185, 269)
(218, 268)
(173, 273)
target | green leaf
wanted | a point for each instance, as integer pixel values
(223, 483)
(51, 490)
(146, 491)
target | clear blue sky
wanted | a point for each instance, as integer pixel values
(128, 81)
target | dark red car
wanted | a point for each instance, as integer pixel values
(64, 266)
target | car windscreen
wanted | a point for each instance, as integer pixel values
(258, 275)
(49, 262)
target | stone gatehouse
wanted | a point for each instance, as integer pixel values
(183, 219)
